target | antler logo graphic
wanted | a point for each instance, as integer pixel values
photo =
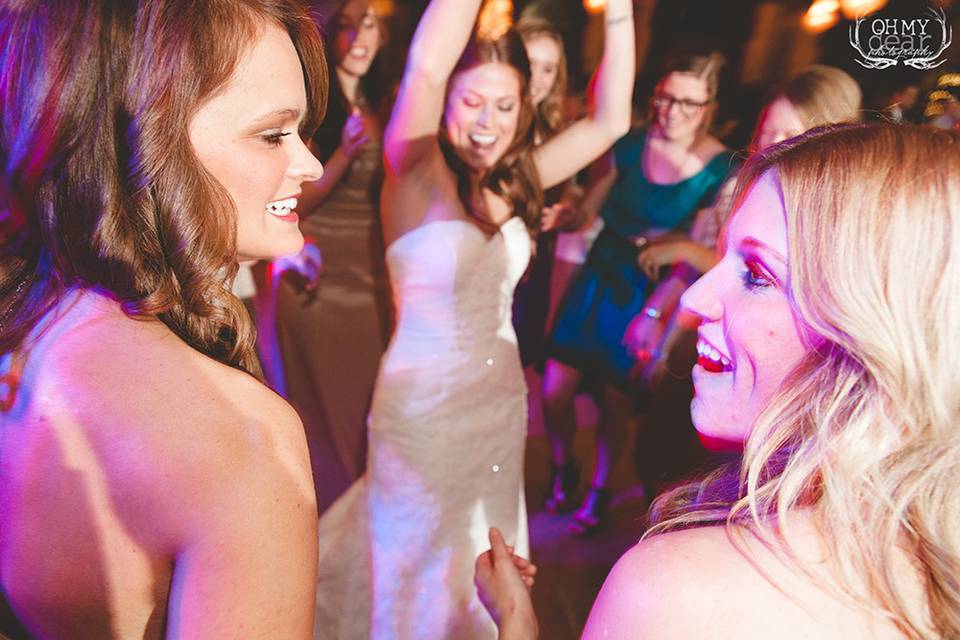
(869, 61)
(899, 40)
(946, 39)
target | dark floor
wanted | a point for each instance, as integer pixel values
(571, 570)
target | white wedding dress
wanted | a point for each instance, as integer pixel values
(446, 446)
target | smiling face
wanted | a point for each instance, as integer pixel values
(544, 53)
(483, 112)
(780, 121)
(749, 339)
(247, 138)
(356, 38)
(680, 104)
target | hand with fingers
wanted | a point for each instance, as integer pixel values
(503, 582)
(649, 374)
(558, 216)
(657, 255)
(355, 134)
(643, 335)
(306, 266)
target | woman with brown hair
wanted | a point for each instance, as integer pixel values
(322, 334)
(152, 485)
(449, 416)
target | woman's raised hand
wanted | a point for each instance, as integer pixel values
(355, 134)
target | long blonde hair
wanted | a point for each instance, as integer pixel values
(864, 430)
(550, 118)
(821, 95)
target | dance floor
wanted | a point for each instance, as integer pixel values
(572, 570)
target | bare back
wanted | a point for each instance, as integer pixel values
(150, 489)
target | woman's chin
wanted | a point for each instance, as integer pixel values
(719, 444)
(477, 161)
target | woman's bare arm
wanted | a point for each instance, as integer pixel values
(441, 36)
(246, 566)
(610, 109)
(596, 193)
(316, 192)
(357, 131)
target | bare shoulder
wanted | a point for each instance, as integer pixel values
(181, 480)
(673, 585)
(166, 418)
(701, 583)
(709, 147)
(141, 366)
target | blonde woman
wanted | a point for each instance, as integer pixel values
(828, 345)
(665, 344)
(548, 90)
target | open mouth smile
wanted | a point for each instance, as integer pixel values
(282, 208)
(711, 359)
(483, 140)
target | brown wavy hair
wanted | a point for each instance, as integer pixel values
(101, 187)
(550, 116)
(514, 177)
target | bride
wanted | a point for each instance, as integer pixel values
(449, 416)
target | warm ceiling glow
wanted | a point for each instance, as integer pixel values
(821, 15)
(594, 6)
(495, 19)
(384, 8)
(853, 9)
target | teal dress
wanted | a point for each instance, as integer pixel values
(611, 289)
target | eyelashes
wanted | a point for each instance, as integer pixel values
(276, 139)
(501, 108)
(756, 277)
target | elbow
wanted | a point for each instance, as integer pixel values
(431, 75)
(426, 69)
(621, 126)
(613, 122)
(615, 126)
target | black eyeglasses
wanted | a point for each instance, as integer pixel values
(688, 108)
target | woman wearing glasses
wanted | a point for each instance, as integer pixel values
(656, 178)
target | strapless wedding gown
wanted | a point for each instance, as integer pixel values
(447, 430)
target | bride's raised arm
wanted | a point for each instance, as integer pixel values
(441, 36)
(610, 109)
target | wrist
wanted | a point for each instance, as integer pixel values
(622, 18)
(651, 312)
(520, 625)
